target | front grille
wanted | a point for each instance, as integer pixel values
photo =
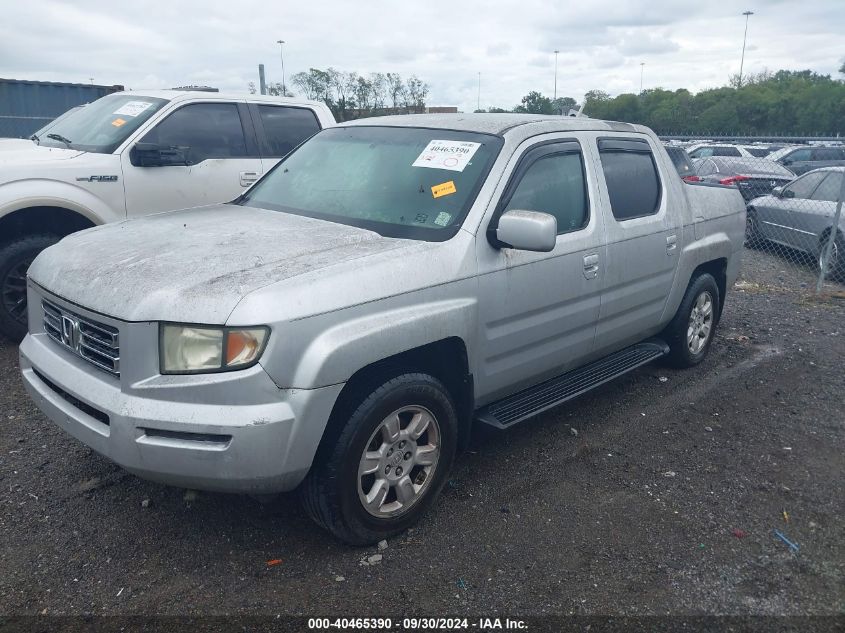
(96, 342)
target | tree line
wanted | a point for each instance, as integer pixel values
(353, 96)
(767, 103)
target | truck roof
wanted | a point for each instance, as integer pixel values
(185, 95)
(500, 124)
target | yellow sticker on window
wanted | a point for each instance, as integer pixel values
(118, 122)
(443, 189)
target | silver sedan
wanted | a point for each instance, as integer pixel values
(800, 215)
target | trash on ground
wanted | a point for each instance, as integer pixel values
(145, 503)
(375, 559)
(273, 562)
(663, 379)
(785, 516)
(461, 583)
(739, 533)
(573, 431)
(339, 578)
(382, 545)
(792, 546)
(669, 473)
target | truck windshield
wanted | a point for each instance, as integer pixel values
(415, 183)
(102, 125)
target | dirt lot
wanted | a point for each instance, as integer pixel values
(623, 502)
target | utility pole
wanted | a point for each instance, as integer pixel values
(556, 52)
(478, 105)
(744, 37)
(642, 68)
(281, 44)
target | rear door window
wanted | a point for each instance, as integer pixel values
(285, 127)
(827, 153)
(631, 177)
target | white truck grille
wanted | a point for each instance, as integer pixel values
(96, 342)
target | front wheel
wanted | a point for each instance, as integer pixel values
(753, 237)
(15, 258)
(388, 464)
(835, 268)
(692, 329)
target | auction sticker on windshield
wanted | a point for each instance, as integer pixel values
(132, 108)
(451, 155)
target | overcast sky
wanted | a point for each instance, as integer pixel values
(155, 44)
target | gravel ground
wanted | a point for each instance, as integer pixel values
(624, 502)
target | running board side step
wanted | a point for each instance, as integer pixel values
(515, 408)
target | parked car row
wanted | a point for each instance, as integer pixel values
(798, 159)
(791, 194)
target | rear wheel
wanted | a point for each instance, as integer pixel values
(388, 464)
(15, 259)
(692, 329)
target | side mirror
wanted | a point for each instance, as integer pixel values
(527, 230)
(777, 192)
(153, 155)
(786, 161)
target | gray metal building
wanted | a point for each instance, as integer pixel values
(26, 106)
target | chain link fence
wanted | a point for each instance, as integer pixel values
(794, 192)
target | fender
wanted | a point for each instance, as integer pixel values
(338, 352)
(43, 192)
(717, 245)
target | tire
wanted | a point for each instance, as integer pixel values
(688, 343)
(15, 258)
(753, 238)
(335, 491)
(836, 263)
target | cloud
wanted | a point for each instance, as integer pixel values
(154, 44)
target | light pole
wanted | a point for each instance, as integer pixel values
(281, 44)
(744, 37)
(556, 52)
(478, 105)
(642, 68)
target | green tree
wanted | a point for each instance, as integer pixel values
(535, 103)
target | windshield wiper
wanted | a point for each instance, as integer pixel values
(60, 138)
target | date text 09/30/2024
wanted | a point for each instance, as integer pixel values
(411, 624)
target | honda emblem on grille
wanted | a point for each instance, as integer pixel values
(70, 332)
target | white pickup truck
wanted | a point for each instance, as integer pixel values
(130, 154)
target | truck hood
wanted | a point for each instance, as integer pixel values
(18, 151)
(195, 265)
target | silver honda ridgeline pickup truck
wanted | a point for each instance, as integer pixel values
(340, 326)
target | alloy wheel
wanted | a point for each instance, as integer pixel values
(398, 462)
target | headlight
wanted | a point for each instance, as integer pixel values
(192, 349)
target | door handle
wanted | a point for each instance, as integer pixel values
(671, 244)
(591, 265)
(248, 177)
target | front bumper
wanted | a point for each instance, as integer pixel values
(229, 432)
